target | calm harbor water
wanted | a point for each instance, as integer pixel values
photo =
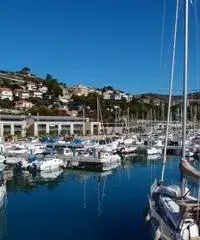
(83, 205)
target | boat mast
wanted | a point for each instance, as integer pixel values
(128, 121)
(185, 81)
(170, 92)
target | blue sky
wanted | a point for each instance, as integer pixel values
(94, 42)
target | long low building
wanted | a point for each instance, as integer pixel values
(22, 125)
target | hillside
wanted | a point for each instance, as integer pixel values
(24, 92)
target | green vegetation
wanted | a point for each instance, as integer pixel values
(25, 70)
(6, 103)
(45, 111)
(54, 89)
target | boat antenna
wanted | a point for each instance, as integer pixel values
(185, 81)
(170, 90)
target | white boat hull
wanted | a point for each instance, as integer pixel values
(51, 165)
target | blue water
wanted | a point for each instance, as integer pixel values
(84, 205)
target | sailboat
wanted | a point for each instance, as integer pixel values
(173, 212)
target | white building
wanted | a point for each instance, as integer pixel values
(66, 96)
(23, 104)
(31, 87)
(43, 89)
(145, 100)
(36, 94)
(117, 96)
(6, 93)
(81, 90)
(107, 96)
(64, 99)
(35, 125)
(24, 95)
(98, 92)
(130, 98)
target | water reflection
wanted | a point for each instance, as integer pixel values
(3, 221)
(103, 204)
(26, 182)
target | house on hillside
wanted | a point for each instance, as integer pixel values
(107, 95)
(23, 104)
(80, 90)
(43, 89)
(98, 92)
(145, 100)
(36, 94)
(31, 87)
(64, 99)
(117, 96)
(66, 94)
(130, 98)
(6, 93)
(24, 95)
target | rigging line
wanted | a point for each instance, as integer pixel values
(163, 32)
(170, 89)
(197, 39)
(171, 38)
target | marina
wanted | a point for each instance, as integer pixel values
(89, 183)
(100, 120)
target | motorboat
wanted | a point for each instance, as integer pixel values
(51, 164)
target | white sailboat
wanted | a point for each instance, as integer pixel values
(172, 210)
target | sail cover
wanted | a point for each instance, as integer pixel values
(189, 171)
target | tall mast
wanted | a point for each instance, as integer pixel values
(185, 81)
(170, 92)
(128, 121)
(185, 77)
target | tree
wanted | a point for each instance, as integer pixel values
(108, 88)
(6, 83)
(16, 98)
(6, 103)
(25, 70)
(53, 87)
(64, 85)
(48, 77)
(41, 110)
